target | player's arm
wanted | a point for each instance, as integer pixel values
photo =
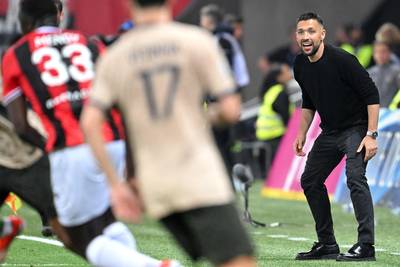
(92, 121)
(225, 111)
(124, 201)
(216, 78)
(14, 101)
(17, 114)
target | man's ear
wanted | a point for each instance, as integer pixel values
(323, 34)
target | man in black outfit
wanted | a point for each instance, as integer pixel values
(335, 84)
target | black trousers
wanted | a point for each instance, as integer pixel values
(327, 152)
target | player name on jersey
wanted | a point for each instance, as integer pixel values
(56, 39)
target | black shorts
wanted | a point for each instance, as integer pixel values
(81, 235)
(32, 185)
(215, 233)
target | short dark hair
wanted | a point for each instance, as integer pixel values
(214, 12)
(310, 15)
(36, 13)
(147, 3)
(38, 9)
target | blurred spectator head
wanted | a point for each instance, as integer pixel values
(388, 33)
(60, 8)
(264, 64)
(277, 73)
(285, 74)
(341, 36)
(382, 53)
(210, 17)
(354, 33)
(236, 23)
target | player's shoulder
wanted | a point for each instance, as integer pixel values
(9, 53)
(176, 30)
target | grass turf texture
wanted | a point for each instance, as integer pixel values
(272, 250)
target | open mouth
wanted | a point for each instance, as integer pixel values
(307, 45)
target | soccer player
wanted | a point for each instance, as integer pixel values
(25, 171)
(164, 71)
(52, 69)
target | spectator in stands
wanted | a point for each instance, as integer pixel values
(385, 74)
(211, 19)
(395, 102)
(390, 34)
(341, 36)
(274, 112)
(356, 45)
(235, 22)
(287, 53)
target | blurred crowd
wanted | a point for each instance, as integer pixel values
(256, 138)
(380, 58)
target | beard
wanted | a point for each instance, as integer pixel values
(313, 51)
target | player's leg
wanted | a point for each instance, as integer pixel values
(322, 159)
(32, 185)
(203, 231)
(10, 227)
(82, 202)
(181, 231)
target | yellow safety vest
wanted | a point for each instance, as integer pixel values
(395, 102)
(363, 54)
(269, 124)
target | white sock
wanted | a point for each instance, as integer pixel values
(7, 227)
(119, 232)
(106, 252)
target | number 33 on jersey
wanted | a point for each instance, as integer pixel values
(64, 62)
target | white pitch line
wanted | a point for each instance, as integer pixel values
(395, 253)
(41, 240)
(277, 236)
(298, 239)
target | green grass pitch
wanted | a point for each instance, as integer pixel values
(275, 246)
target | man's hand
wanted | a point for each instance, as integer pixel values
(125, 203)
(298, 145)
(371, 147)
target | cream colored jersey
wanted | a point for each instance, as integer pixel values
(158, 76)
(15, 153)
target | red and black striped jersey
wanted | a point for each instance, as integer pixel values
(53, 69)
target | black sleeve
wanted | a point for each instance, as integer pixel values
(281, 106)
(307, 102)
(358, 78)
(227, 48)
